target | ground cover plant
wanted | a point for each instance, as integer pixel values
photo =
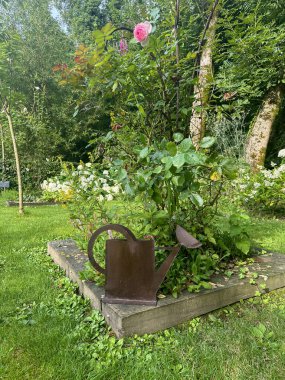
(49, 332)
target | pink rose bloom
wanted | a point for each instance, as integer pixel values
(142, 31)
(123, 46)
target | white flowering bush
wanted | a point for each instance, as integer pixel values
(56, 189)
(93, 191)
(265, 188)
(86, 178)
(95, 183)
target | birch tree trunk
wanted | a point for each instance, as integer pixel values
(201, 89)
(10, 122)
(257, 141)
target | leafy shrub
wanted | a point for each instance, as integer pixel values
(165, 184)
(33, 173)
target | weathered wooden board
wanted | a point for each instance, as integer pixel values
(127, 320)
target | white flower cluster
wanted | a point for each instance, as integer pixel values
(84, 179)
(267, 187)
(281, 153)
(54, 185)
(276, 173)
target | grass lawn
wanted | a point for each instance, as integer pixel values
(48, 332)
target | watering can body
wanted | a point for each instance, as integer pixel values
(130, 271)
(131, 276)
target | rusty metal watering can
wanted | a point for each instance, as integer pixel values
(131, 276)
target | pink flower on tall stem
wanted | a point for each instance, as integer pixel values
(123, 46)
(142, 31)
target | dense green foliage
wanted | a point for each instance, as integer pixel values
(148, 88)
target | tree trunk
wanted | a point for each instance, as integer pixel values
(257, 141)
(10, 122)
(2, 151)
(201, 89)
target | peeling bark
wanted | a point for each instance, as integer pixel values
(6, 109)
(201, 89)
(257, 141)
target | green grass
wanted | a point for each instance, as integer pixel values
(269, 233)
(44, 333)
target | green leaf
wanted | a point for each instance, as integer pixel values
(206, 285)
(179, 160)
(212, 318)
(194, 269)
(185, 145)
(178, 137)
(178, 180)
(257, 333)
(196, 199)
(171, 148)
(167, 161)
(115, 86)
(122, 174)
(243, 245)
(157, 169)
(194, 158)
(97, 34)
(141, 110)
(207, 142)
(229, 168)
(144, 153)
(107, 28)
(160, 217)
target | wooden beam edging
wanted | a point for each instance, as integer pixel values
(126, 320)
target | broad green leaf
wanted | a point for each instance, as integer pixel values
(122, 174)
(144, 152)
(167, 161)
(196, 199)
(207, 142)
(243, 245)
(157, 170)
(179, 160)
(178, 180)
(185, 145)
(194, 158)
(178, 137)
(171, 148)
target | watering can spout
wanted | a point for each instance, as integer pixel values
(184, 239)
(161, 272)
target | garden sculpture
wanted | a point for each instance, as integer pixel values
(131, 276)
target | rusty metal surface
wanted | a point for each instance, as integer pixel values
(131, 276)
(186, 239)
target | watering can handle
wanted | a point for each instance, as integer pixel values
(114, 227)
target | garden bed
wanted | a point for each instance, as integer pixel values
(127, 320)
(15, 203)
